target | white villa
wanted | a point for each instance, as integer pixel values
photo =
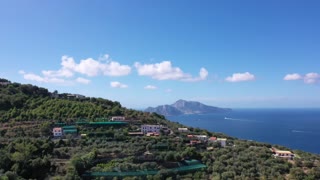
(148, 128)
(282, 153)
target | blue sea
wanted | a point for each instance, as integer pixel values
(294, 128)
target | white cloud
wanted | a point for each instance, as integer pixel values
(60, 73)
(203, 74)
(311, 78)
(150, 87)
(238, 77)
(116, 84)
(115, 69)
(83, 80)
(69, 67)
(91, 67)
(291, 77)
(165, 71)
(34, 77)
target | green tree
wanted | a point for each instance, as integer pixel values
(297, 174)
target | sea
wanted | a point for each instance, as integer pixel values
(294, 128)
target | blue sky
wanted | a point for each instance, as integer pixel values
(146, 53)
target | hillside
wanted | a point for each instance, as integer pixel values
(185, 107)
(101, 148)
(25, 102)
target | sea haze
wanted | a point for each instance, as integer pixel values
(294, 128)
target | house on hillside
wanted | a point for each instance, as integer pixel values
(212, 139)
(148, 128)
(194, 142)
(183, 130)
(4, 83)
(223, 141)
(135, 133)
(76, 96)
(118, 118)
(190, 136)
(282, 153)
(202, 138)
(57, 132)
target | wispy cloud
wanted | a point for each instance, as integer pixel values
(309, 78)
(83, 80)
(203, 74)
(168, 90)
(238, 77)
(151, 87)
(116, 84)
(34, 77)
(165, 71)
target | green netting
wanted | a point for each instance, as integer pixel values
(107, 123)
(69, 127)
(192, 162)
(145, 173)
(102, 119)
(71, 131)
(81, 123)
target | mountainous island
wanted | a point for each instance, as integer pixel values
(181, 107)
(51, 135)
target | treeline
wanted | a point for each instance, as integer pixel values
(22, 102)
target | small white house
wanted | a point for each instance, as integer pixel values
(148, 128)
(201, 137)
(183, 130)
(118, 118)
(4, 83)
(57, 132)
(78, 96)
(223, 141)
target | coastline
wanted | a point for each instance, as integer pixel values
(290, 127)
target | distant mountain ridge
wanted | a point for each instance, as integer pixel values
(181, 107)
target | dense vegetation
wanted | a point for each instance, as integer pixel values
(28, 151)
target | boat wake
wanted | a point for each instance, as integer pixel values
(235, 119)
(299, 131)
